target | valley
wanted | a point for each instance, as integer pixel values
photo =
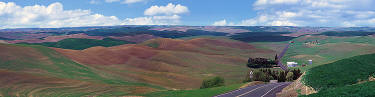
(168, 62)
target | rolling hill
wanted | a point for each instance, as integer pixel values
(36, 70)
(80, 44)
(172, 63)
(328, 49)
(130, 69)
(347, 77)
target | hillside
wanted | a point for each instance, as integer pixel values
(350, 75)
(170, 62)
(328, 49)
(36, 70)
(80, 43)
(56, 38)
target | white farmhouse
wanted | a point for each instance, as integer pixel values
(291, 64)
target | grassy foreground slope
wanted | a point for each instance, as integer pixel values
(40, 71)
(208, 92)
(348, 75)
(358, 90)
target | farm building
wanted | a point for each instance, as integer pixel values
(291, 64)
(310, 62)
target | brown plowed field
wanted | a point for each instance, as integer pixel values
(174, 63)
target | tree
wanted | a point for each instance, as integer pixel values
(261, 76)
(289, 76)
(259, 63)
(214, 82)
(282, 76)
(276, 59)
(297, 73)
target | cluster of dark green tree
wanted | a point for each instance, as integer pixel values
(80, 43)
(261, 62)
(213, 82)
(347, 33)
(266, 75)
(262, 36)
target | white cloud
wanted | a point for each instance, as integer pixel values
(132, 1)
(265, 2)
(312, 13)
(54, 15)
(124, 1)
(153, 20)
(110, 1)
(169, 9)
(94, 1)
(220, 23)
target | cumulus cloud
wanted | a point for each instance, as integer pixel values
(153, 20)
(166, 10)
(124, 1)
(220, 23)
(163, 15)
(312, 13)
(54, 15)
(223, 23)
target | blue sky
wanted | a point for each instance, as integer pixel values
(72, 13)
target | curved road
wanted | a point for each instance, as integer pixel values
(263, 90)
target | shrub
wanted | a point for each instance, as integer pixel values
(214, 82)
(296, 74)
(261, 76)
(247, 78)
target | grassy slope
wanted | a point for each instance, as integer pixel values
(358, 90)
(209, 92)
(341, 73)
(80, 44)
(329, 50)
(36, 68)
(346, 77)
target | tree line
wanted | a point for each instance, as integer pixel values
(266, 75)
(262, 62)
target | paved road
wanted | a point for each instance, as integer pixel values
(263, 90)
(281, 56)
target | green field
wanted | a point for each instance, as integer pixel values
(349, 75)
(341, 73)
(329, 49)
(332, 73)
(357, 90)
